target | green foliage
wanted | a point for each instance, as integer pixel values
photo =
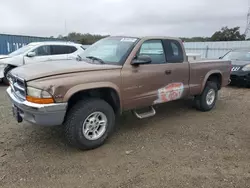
(228, 34)
(85, 39)
(196, 39)
(225, 34)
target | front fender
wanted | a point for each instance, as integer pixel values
(87, 86)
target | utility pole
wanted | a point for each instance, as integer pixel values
(247, 31)
(65, 27)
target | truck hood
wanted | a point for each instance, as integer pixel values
(52, 68)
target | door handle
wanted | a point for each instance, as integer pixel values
(168, 72)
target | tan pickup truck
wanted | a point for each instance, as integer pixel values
(114, 75)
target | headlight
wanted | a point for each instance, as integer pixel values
(246, 68)
(38, 96)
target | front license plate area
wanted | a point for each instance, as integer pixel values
(16, 114)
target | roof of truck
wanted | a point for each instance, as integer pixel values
(160, 37)
(147, 37)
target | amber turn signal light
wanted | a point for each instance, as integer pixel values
(40, 100)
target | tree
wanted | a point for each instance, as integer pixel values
(82, 38)
(228, 34)
(196, 39)
(225, 34)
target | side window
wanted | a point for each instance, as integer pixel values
(42, 51)
(173, 51)
(72, 49)
(59, 50)
(154, 49)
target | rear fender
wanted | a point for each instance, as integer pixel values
(207, 76)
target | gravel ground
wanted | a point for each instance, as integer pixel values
(179, 147)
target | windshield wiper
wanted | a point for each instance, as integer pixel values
(96, 58)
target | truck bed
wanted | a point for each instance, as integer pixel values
(201, 69)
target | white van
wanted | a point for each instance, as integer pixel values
(39, 52)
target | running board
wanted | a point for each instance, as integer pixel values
(148, 114)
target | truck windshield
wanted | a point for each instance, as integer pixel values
(110, 50)
(237, 55)
(21, 50)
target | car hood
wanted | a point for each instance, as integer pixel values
(12, 60)
(52, 68)
(240, 63)
(3, 56)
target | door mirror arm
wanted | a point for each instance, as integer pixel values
(141, 59)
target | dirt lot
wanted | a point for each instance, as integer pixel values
(179, 147)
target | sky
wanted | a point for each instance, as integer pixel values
(177, 18)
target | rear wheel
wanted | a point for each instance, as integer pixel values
(89, 123)
(206, 101)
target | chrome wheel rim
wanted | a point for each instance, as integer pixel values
(95, 126)
(210, 96)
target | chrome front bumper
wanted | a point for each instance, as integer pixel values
(39, 114)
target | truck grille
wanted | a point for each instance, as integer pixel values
(17, 86)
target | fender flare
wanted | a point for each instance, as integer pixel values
(207, 76)
(81, 87)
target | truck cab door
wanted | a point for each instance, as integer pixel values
(39, 54)
(157, 82)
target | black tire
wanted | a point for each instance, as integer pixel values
(76, 117)
(201, 102)
(6, 71)
(5, 81)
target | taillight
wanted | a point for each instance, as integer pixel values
(231, 66)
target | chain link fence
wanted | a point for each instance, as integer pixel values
(214, 50)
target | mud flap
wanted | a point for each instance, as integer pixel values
(16, 114)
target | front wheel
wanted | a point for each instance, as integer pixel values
(6, 71)
(206, 101)
(89, 123)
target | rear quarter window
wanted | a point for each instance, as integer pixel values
(173, 51)
(59, 50)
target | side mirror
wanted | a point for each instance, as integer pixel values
(31, 54)
(78, 58)
(142, 59)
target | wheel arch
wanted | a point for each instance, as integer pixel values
(106, 91)
(215, 76)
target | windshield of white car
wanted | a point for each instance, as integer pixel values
(237, 56)
(21, 50)
(110, 50)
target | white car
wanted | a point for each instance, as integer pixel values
(39, 52)
(3, 56)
